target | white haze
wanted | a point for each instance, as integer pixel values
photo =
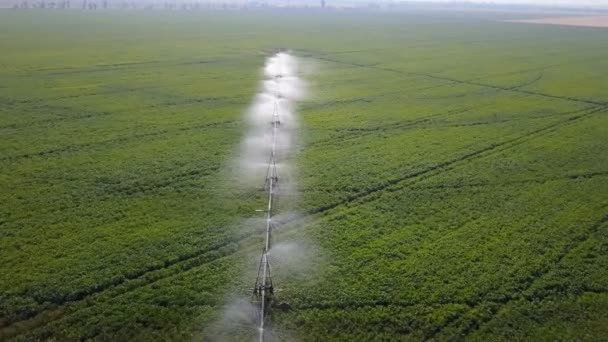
(279, 91)
(292, 258)
(569, 3)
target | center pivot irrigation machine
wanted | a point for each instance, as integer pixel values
(263, 292)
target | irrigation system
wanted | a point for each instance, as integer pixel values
(263, 291)
(272, 119)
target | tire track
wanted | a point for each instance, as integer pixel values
(310, 53)
(511, 89)
(528, 82)
(102, 192)
(360, 132)
(492, 304)
(109, 90)
(61, 69)
(537, 275)
(371, 303)
(449, 164)
(84, 114)
(222, 101)
(84, 146)
(458, 81)
(355, 133)
(121, 285)
(588, 175)
(132, 66)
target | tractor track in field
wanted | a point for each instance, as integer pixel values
(491, 304)
(494, 305)
(483, 90)
(447, 165)
(587, 175)
(131, 65)
(526, 83)
(78, 147)
(69, 69)
(364, 100)
(351, 133)
(501, 88)
(309, 52)
(38, 320)
(112, 91)
(126, 188)
(121, 285)
(581, 176)
(510, 143)
(315, 54)
(519, 294)
(86, 114)
(83, 115)
(355, 133)
(373, 303)
(459, 81)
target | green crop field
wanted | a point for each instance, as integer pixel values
(452, 176)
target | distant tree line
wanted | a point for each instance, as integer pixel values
(42, 4)
(167, 5)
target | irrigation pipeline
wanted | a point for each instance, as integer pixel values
(264, 289)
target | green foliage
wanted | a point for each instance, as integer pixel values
(452, 176)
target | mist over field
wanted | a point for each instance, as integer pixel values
(587, 5)
(572, 3)
(303, 171)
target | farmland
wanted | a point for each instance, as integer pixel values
(452, 176)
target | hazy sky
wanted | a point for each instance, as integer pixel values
(578, 3)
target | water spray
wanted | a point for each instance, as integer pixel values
(264, 290)
(281, 87)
